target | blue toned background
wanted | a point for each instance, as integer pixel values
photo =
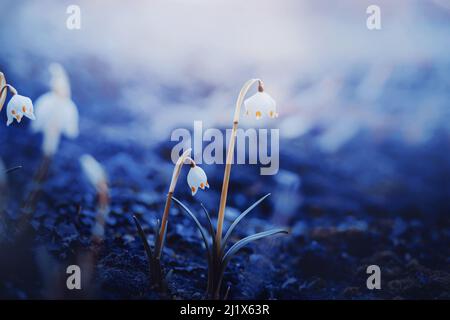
(364, 140)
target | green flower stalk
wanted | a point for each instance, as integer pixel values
(257, 105)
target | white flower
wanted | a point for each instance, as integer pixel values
(196, 179)
(56, 114)
(261, 104)
(59, 82)
(93, 172)
(19, 106)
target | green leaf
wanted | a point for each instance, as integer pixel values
(165, 235)
(211, 263)
(241, 243)
(198, 224)
(156, 230)
(13, 169)
(210, 225)
(238, 219)
(141, 233)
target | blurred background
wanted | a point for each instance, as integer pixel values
(364, 114)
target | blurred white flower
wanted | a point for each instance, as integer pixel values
(19, 106)
(59, 82)
(96, 175)
(93, 172)
(56, 113)
(261, 104)
(196, 179)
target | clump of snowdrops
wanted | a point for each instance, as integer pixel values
(219, 254)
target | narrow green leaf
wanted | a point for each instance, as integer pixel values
(156, 230)
(241, 243)
(238, 219)
(210, 225)
(165, 236)
(13, 169)
(141, 233)
(198, 224)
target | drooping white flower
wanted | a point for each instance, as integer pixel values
(196, 179)
(261, 104)
(19, 106)
(94, 172)
(56, 113)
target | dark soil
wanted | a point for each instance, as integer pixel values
(374, 202)
(380, 204)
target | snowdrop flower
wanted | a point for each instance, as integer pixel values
(19, 106)
(59, 82)
(261, 104)
(93, 172)
(257, 105)
(56, 113)
(196, 179)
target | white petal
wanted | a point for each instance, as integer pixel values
(13, 103)
(55, 116)
(43, 106)
(93, 170)
(29, 109)
(30, 115)
(16, 104)
(70, 119)
(200, 173)
(260, 103)
(50, 143)
(59, 83)
(195, 178)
